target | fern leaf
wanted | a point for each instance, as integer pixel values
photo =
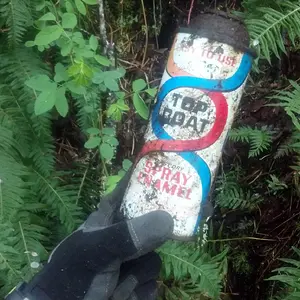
(62, 200)
(182, 261)
(17, 18)
(236, 198)
(290, 146)
(290, 101)
(289, 275)
(266, 30)
(259, 139)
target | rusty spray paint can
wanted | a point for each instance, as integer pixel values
(199, 95)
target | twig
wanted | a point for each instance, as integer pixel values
(155, 23)
(146, 33)
(102, 28)
(243, 238)
(190, 11)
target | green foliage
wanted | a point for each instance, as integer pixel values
(289, 100)
(259, 139)
(16, 17)
(230, 195)
(138, 87)
(290, 146)
(197, 272)
(269, 23)
(289, 276)
(275, 185)
(39, 205)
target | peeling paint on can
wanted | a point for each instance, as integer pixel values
(198, 98)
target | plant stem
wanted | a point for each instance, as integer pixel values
(155, 23)
(146, 33)
(241, 239)
(25, 246)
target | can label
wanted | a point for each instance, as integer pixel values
(199, 95)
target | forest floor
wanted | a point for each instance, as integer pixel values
(273, 228)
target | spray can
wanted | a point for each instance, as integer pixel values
(199, 95)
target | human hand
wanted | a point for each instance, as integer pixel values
(106, 258)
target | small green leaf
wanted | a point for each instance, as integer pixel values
(84, 53)
(102, 60)
(98, 77)
(48, 17)
(29, 44)
(111, 183)
(66, 48)
(93, 42)
(126, 164)
(91, 2)
(106, 151)
(75, 88)
(120, 95)
(89, 109)
(48, 34)
(93, 130)
(45, 101)
(121, 105)
(109, 131)
(69, 20)
(121, 71)
(151, 92)
(69, 7)
(61, 102)
(77, 38)
(39, 83)
(80, 6)
(93, 142)
(140, 106)
(110, 140)
(60, 73)
(112, 110)
(41, 48)
(111, 84)
(74, 69)
(138, 85)
(40, 6)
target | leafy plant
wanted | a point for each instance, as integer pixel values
(289, 100)
(259, 139)
(268, 25)
(275, 184)
(195, 270)
(230, 195)
(289, 276)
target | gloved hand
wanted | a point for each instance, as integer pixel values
(106, 258)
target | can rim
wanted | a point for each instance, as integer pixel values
(236, 45)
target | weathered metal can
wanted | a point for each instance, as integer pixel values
(199, 95)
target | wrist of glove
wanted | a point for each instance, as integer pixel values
(106, 258)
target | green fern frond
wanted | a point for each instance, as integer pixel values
(290, 146)
(235, 198)
(267, 29)
(183, 261)
(290, 101)
(289, 276)
(87, 109)
(259, 139)
(12, 185)
(61, 198)
(10, 259)
(17, 17)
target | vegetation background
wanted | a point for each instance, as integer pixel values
(77, 80)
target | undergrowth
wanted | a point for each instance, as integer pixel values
(53, 67)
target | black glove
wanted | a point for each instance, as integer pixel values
(106, 258)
